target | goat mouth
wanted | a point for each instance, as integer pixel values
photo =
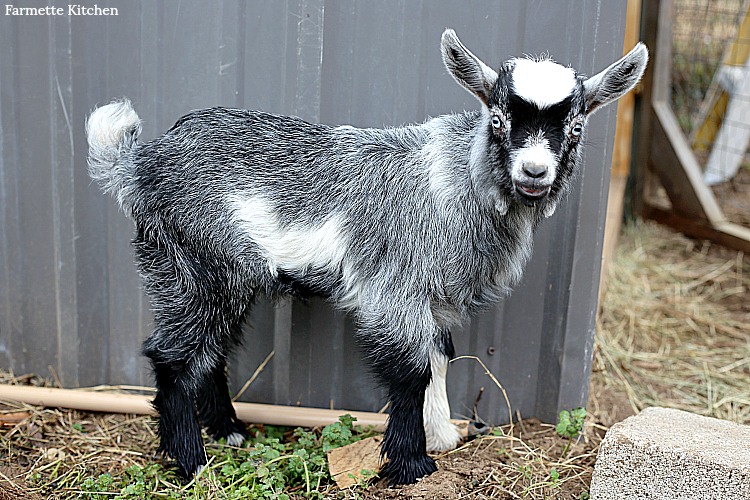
(532, 193)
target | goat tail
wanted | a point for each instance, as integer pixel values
(113, 130)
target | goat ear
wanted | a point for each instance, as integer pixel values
(615, 81)
(466, 68)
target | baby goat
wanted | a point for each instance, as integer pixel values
(409, 229)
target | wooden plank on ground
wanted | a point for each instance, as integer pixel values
(726, 233)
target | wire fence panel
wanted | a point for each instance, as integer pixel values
(711, 94)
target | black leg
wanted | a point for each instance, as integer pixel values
(404, 444)
(393, 344)
(197, 320)
(179, 433)
(215, 410)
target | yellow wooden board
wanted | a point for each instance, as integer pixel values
(715, 104)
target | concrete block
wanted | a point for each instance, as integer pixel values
(670, 454)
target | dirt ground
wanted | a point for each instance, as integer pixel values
(484, 469)
(498, 467)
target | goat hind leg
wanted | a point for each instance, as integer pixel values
(184, 350)
(215, 410)
(179, 432)
(196, 324)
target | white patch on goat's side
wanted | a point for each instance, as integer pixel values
(106, 125)
(296, 247)
(543, 83)
(441, 434)
(536, 151)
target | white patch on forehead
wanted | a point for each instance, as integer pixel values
(543, 83)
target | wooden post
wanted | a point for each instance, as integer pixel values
(621, 155)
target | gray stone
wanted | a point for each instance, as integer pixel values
(668, 454)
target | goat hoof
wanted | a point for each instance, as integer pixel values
(235, 439)
(235, 435)
(188, 465)
(477, 428)
(402, 471)
(189, 470)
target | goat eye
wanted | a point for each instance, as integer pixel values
(497, 123)
(576, 129)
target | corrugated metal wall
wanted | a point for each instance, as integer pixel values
(69, 293)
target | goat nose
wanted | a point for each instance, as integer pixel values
(534, 170)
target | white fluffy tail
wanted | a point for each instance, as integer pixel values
(112, 130)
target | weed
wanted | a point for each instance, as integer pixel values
(365, 477)
(267, 467)
(554, 477)
(570, 425)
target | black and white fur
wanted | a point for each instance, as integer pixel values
(410, 229)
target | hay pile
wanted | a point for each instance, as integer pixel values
(674, 328)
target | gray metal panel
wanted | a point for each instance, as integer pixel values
(69, 294)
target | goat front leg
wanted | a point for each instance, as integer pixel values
(400, 358)
(404, 444)
(179, 432)
(441, 433)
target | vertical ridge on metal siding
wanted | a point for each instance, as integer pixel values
(34, 142)
(62, 183)
(10, 269)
